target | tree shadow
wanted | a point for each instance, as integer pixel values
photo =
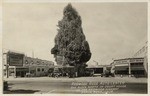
(20, 91)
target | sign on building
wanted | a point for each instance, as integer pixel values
(137, 60)
(15, 59)
(122, 61)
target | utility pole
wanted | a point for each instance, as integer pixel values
(32, 54)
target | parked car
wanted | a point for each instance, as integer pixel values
(29, 75)
(89, 72)
(50, 72)
(56, 73)
(106, 73)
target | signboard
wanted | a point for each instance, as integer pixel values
(137, 60)
(121, 62)
(15, 59)
(122, 65)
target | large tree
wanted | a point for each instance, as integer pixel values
(71, 46)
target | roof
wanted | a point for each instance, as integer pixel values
(128, 59)
(97, 66)
(60, 66)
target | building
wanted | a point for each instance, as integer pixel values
(37, 67)
(135, 66)
(142, 52)
(18, 65)
(12, 62)
(129, 66)
(98, 69)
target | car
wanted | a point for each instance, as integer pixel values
(50, 72)
(106, 73)
(89, 72)
(56, 73)
(29, 75)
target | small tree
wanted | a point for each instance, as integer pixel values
(71, 46)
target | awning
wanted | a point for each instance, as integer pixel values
(121, 68)
(137, 68)
(22, 69)
(122, 65)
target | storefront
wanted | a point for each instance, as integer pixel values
(21, 71)
(18, 65)
(12, 61)
(15, 72)
(97, 69)
(129, 66)
(122, 70)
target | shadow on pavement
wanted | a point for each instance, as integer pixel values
(134, 88)
(20, 91)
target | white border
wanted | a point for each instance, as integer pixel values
(44, 1)
(80, 1)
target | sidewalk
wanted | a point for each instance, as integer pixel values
(81, 79)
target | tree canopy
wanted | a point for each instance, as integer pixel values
(70, 41)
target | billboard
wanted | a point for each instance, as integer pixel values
(15, 59)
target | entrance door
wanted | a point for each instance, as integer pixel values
(22, 74)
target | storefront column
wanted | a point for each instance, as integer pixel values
(15, 72)
(104, 70)
(129, 70)
(7, 71)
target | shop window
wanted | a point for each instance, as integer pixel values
(38, 69)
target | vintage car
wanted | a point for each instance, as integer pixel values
(89, 72)
(56, 73)
(107, 73)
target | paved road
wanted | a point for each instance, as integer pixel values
(85, 85)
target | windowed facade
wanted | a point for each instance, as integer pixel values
(130, 66)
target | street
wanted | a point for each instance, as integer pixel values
(81, 85)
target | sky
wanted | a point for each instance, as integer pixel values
(113, 30)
